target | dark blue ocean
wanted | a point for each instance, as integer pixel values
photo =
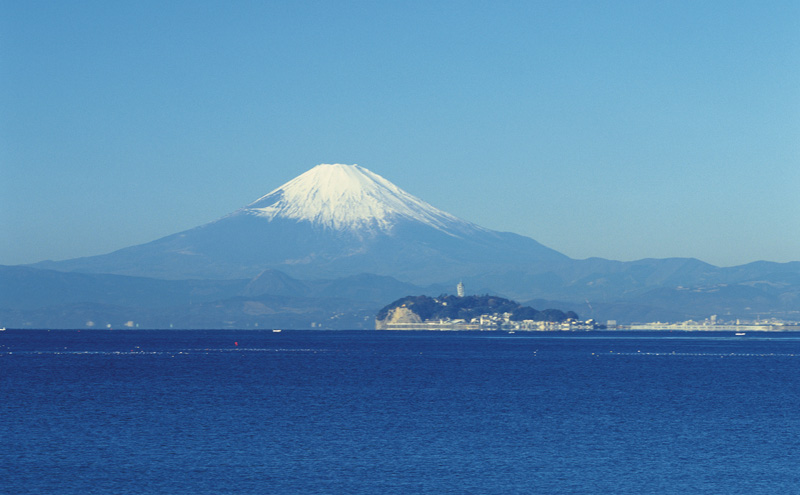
(216, 412)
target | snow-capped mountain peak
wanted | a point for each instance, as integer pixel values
(349, 197)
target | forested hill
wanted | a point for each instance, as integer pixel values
(468, 307)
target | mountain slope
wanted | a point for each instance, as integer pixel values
(332, 221)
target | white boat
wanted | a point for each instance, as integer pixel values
(276, 330)
(739, 334)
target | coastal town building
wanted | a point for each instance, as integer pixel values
(714, 324)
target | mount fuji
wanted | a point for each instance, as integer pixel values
(332, 221)
(338, 242)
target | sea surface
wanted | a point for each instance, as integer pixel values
(305, 412)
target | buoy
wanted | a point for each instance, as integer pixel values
(236, 344)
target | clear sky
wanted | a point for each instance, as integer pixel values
(624, 130)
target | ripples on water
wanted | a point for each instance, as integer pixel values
(385, 412)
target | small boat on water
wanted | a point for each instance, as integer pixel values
(740, 334)
(276, 330)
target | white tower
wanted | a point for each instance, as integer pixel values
(460, 289)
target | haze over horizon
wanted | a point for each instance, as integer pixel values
(622, 130)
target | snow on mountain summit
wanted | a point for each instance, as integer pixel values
(349, 197)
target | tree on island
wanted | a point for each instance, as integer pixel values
(466, 308)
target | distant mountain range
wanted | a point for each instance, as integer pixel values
(37, 298)
(337, 243)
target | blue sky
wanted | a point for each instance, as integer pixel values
(623, 130)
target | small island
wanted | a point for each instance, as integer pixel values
(485, 312)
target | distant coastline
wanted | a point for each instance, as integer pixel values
(684, 327)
